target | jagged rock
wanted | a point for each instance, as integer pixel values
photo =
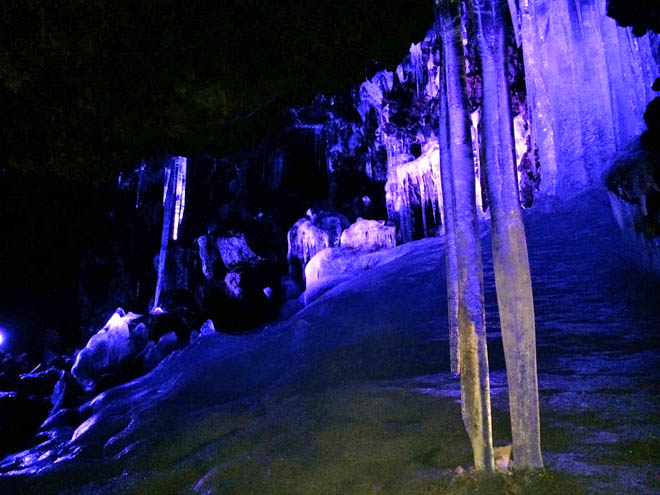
(62, 418)
(65, 392)
(329, 221)
(208, 255)
(233, 285)
(194, 335)
(151, 357)
(21, 415)
(106, 352)
(234, 251)
(140, 333)
(633, 184)
(159, 324)
(167, 343)
(40, 383)
(290, 287)
(369, 235)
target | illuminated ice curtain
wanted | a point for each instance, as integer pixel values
(179, 172)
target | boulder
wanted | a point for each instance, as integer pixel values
(167, 343)
(151, 357)
(208, 254)
(235, 251)
(106, 352)
(233, 285)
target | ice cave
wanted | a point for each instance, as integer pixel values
(340, 248)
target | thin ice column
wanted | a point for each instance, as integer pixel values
(173, 206)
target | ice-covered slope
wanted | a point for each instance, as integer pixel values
(354, 391)
(387, 323)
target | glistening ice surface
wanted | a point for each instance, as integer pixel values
(353, 394)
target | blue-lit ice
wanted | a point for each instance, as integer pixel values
(107, 351)
(181, 164)
(174, 198)
(588, 83)
(368, 235)
(415, 187)
(385, 329)
(234, 250)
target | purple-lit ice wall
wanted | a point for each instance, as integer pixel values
(588, 83)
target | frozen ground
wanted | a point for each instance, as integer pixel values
(353, 394)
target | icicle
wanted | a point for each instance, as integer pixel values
(421, 175)
(422, 196)
(400, 74)
(521, 133)
(433, 86)
(368, 235)
(166, 181)
(417, 63)
(304, 240)
(515, 20)
(475, 117)
(168, 210)
(180, 164)
(138, 191)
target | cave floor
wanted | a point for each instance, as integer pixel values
(353, 395)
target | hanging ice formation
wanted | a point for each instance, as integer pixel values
(588, 83)
(417, 63)
(140, 183)
(304, 240)
(413, 187)
(178, 172)
(173, 206)
(413, 197)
